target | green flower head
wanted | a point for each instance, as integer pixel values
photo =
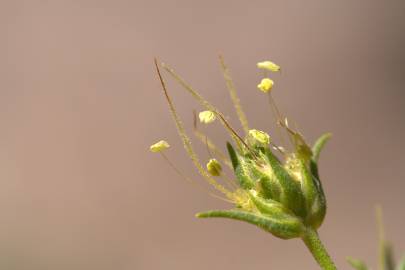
(276, 188)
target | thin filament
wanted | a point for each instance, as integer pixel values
(187, 142)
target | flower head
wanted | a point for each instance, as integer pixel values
(159, 146)
(268, 65)
(207, 117)
(276, 190)
(265, 85)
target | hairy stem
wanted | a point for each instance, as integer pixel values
(314, 244)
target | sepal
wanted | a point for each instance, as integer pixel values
(319, 144)
(291, 194)
(316, 150)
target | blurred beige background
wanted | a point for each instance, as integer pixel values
(80, 104)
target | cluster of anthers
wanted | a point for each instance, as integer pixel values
(276, 188)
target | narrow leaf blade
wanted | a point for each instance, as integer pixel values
(291, 228)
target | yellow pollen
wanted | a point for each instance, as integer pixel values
(159, 146)
(269, 66)
(207, 117)
(265, 85)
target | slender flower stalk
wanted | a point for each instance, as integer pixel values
(276, 188)
(315, 246)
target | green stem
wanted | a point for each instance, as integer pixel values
(314, 244)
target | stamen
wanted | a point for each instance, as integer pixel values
(279, 120)
(213, 150)
(188, 179)
(223, 176)
(238, 140)
(207, 117)
(187, 142)
(229, 181)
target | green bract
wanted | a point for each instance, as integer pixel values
(286, 198)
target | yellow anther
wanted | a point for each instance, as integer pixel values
(214, 167)
(207, 117)
(269, 66)
(265, 85)
(259, 136)
(159, 146)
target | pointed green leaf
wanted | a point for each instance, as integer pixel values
(291, 195)
(232, 155)
(243, 174)
(357, 264)
(284, 229)
(316, 150)
(319, 144)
